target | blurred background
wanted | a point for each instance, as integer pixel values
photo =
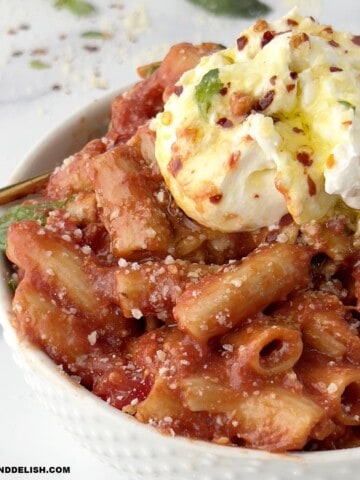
(55, 57)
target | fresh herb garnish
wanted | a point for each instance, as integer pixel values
(347, 104)
(12, 284)
(17, 213)
(209, 86)
(146, 70)
(239, 8)
(77, 7)
(38, 65)
(94, 34)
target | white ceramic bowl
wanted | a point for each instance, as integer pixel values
(137, 450)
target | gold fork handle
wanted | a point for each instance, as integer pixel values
(21, 189)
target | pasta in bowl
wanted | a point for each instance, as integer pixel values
(224, 342)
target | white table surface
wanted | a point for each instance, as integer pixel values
(34, 101)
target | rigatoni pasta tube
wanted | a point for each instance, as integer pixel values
(272, 418)
(221, 301)
(335, 385)
(266, 348)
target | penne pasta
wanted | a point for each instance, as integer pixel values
(224, 300)
(271, 418)
(265, 346)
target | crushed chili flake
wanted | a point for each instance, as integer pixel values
(224, 122)
(178, 89)
(39, 51)
(234, 158)
(223, 91)
(241, 42)
(294, 75)
(330, 162)
(311, 186)
(273, 79)
(290, 87)
(356, 40)
(335, 69)
(304, 158)
(11, 31)
(291, 22)
(266, 101)
(267, 37)
(241, 103)
(91, 48)
(332, 43)
(298, 39)
(215, 198)
(260, 25)
(175, 165)
(298, 130)
(328, 30)
(285, 220)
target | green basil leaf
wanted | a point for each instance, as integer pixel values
(209, 86)
(38, 65)
(77, 7)
(36, 211)
(239, 8)
(93, 34)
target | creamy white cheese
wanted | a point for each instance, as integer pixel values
(279, 134)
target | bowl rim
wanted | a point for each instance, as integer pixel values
(36, 360)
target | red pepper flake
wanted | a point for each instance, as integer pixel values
(11, 31)
(266, 101)
(267, 37)
(328, 30)
(298, 130)
(175, 165)
(304, 158)
(91, 48)
(291, 22)
(260, 25)
(333, 43)
(285, 220)
(356, 40)
(216, 198)
(311, 186)
(223, 91)
(224, 122)
(256, 195)
(178, 89)
(273, 79)
(294, 75)
(234, 158)
(290, 87)
(39, 51)
(241, 42)
(335, 69)
(330, 162)
(299, 38)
